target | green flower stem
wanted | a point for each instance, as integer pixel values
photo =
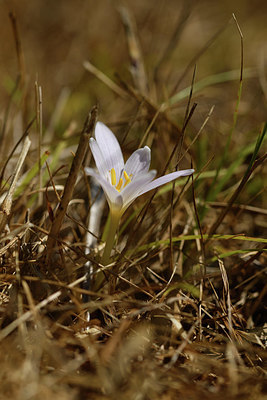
(111, 232)
(112, 229)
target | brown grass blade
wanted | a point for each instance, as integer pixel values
(87, 131)
(5, 208)
(137, 66)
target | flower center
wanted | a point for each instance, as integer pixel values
(122, 181)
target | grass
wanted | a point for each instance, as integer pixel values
(187, 318)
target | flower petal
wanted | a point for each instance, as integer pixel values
(139, 162)
(165, 179)
(99, 159)
(113, 197)
(132, 191)
(110, 148)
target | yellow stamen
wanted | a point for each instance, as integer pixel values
(113, 176)
(118, 187)
(126, 176)
(127, 179)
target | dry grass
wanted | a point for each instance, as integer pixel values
(187, 319)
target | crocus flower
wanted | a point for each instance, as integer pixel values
(123, 182)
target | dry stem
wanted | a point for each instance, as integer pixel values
(87, 131)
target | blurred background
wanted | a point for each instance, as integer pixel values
(57, 37)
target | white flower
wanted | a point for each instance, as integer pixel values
(123, 183)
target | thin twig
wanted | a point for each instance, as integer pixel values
(198, 55)
(174, 40)
(39, 122)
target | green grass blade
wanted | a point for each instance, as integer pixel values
(210, 81)
(234, 253)
(166, 242)
(212, 193)
(230, 171)
(259, 142)
(188, 287)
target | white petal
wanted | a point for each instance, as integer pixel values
(110, 148)
(133, 189)
(139, 162)
(113, 197)
(165, 179)
(99, 159)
